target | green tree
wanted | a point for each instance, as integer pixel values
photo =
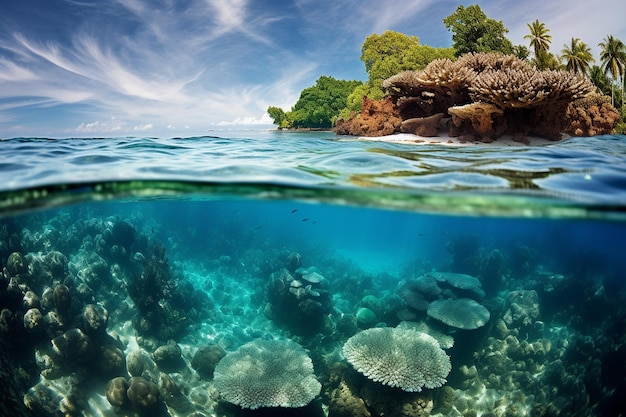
(279, 116)
(540, 40)
(577, 56)
(473, 31)
(521, 51)
(600, 80)
(613, 58)
(388, 54)
(388, 47)
(319, 105)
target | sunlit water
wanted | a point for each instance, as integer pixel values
(542, 228)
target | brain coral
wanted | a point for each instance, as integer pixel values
(398, 357)
(267, 373)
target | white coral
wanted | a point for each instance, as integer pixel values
(398, 357)
(267, 373)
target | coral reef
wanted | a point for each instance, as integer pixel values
(267, 373)
(301, 301)
(398, 357)
(461, 313)
(487, 95)
(551, 335)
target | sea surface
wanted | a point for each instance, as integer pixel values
(138, 264)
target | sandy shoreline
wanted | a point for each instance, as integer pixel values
(444, 139)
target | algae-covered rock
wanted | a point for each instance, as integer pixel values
(365, 318)
(116, 392)
(205, 360)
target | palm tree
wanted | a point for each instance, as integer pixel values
(613, 57)
(577, 56)
(540, 42)
(600, 80)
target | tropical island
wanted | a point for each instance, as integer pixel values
(480, 89)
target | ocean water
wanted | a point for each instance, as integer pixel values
(137, 272)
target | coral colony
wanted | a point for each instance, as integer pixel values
(100, 322)
(484, 96)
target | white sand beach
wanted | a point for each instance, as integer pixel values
(444, 139)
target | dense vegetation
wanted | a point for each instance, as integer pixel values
(317, 106)
(472, 31)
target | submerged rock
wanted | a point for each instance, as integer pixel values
(365, 318)
(95, 318)
(62, 298)
(33, 320)
(168, 357)
(116, 392)
(205, 360)
(74, 346)
(144, 396)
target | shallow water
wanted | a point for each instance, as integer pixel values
(200, 240)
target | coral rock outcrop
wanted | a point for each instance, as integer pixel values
(590, 116)
(487, 95)
(377, 118)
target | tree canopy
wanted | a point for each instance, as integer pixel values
(577, 56)
(388, 54)
(317, 106)
(473, 31)
(540, 40)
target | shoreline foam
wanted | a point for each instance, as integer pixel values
(444, 139)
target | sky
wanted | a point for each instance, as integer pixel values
(102, 68)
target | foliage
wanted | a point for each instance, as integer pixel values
(473, 31)
(521, 52)
(599, 78)
(540, 40)
(355, 99)
(318, 106)
(577, 56)
(613, 58)
(279, 116)
(544, 60)
(388, 54)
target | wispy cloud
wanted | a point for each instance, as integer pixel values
(169, 66)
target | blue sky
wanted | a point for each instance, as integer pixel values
(181, 67)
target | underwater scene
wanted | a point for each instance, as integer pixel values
(432, 282)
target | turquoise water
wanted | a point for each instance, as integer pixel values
(208, 243)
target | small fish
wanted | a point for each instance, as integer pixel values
(306, 219)
(294, 211)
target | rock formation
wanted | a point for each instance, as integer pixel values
(377, 118)
(485, 96)
(590, 116)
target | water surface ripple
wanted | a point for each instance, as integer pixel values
(585, 170)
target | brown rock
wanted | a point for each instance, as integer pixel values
(423, 126)
(377, 118)
(591, 116)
